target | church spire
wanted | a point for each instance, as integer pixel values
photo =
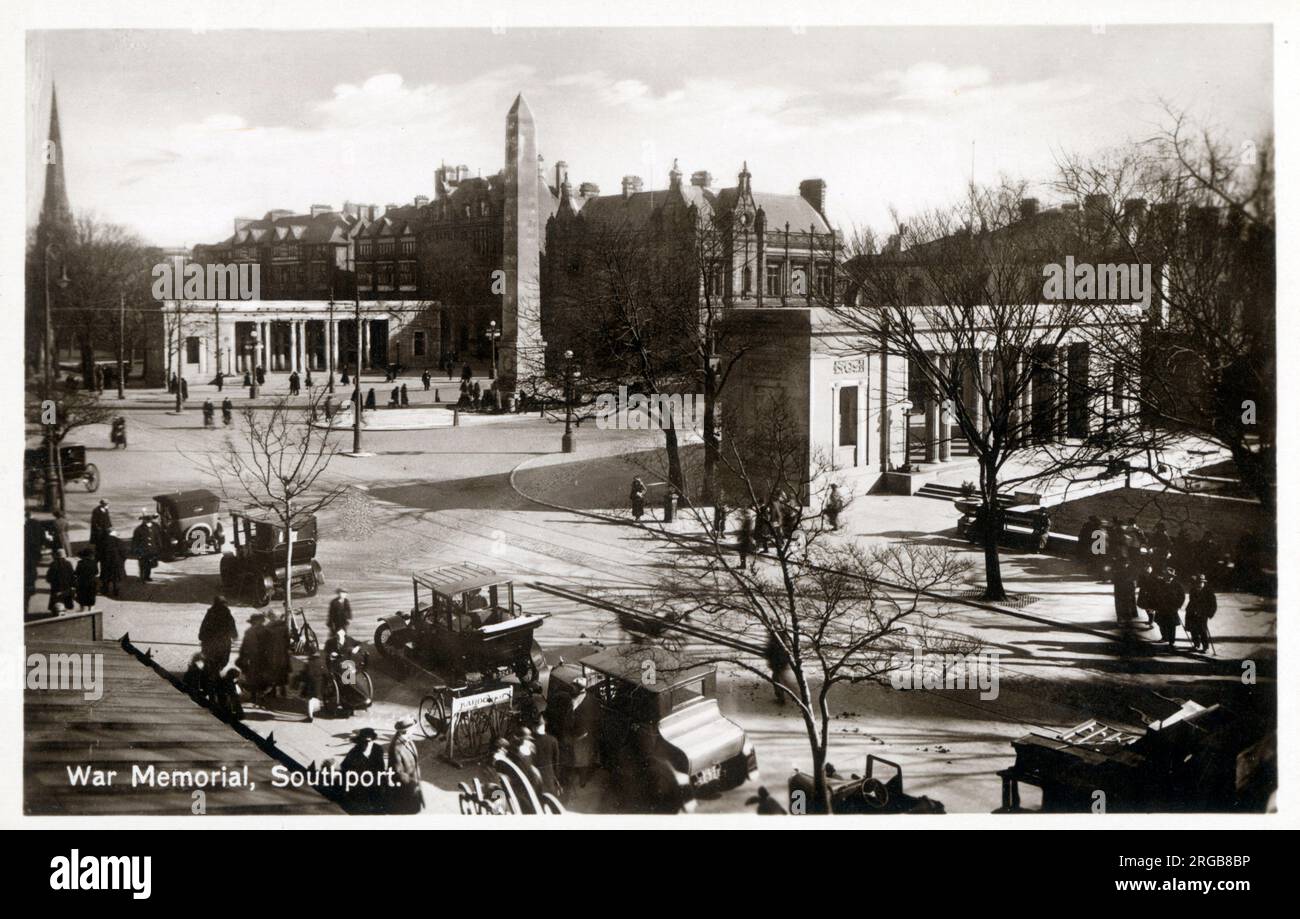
(55, 209)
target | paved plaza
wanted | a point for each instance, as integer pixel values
(497, 491)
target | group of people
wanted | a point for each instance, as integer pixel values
(210, 411)
(474, 397)
(100, 566)
(399, 398)
(1158, 574)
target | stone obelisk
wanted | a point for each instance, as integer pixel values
(521, 343)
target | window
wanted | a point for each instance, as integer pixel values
(748, 278)
(365, 278)
(483, 208)
(774, 288)
(848, 416)
(408, 245)
(406, 274)
(384, 247)
(364, 248)
(419, 343)
(823, 278)
(718, 280)
(385, 276)
(799, 280)
(317, 274)
(191, 350)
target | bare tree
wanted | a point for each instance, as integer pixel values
(276, 465)
(959, 294)
(1200, 211)
(819, 612)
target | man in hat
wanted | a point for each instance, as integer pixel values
(61, 540)
(252, 655)
(339, 617)
(62, 578)
(227, 411)
(1201, 607)
(546, 758)
(365, 759)
(834, 507)
(581, 736)
(87, 575)
(146, 545)
(404, 759)
(112, 564)
(101, 521)
(1169, 599)
(216, 634)
(209, 414)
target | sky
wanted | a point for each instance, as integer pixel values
(176, 133)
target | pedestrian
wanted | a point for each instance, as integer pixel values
(1125, 589)
(112, 564)
(720, 514)
(145, 545)
(293, 383)
(1087, 545)
(364, 764)
(466, 373)
(1147, 593)
(370, 398)
(101, 521)
(339, 617)
(248, 380)
(33, 549)
(778, 661)
(254, 651)
(1169, 599)
(221, 379)
(637, 498)
(172, 384)
(118, 435)
(670, 504)
(216, 634)
(308, 380)
(404, 760)
(426, 379)
(185, 390)
(394, 398)
(790, 513)
(227, 411)
(406, 399)
(61, 539)
(763, 532)
(582, 734)
(344, 379)
(834, 507)
(745, 541)
(1201, 607)
(450, 367)
(209, 413)
(260, 372)
(546, 757)
(524, 754)
(87, 574)
(476, 394)
(62, 578)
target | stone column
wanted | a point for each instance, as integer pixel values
(983, 387)
(293, 345)
(863, 415)
(1026, 365)
(332, 330)
(1061, 418)
(945, 425)
(363, 343)
(931, 427)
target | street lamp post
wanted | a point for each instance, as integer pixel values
(251, 347)
(571, 374)
(52, 482)
(493, 334)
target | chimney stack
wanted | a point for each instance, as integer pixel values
(588, 190)
(814, 192)
(674, 176)
(561, 174)
(702, 179)
(631, 185)
(421, 200)
(241, 222)
(318, 209)
(1028, 208)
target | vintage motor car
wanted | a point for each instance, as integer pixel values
(256, 567)
(661, 735)
(860, 794)
(464, 621)
(189, 522)
(72, 462)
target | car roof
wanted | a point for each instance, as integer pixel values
(193, 496)
(455, 579)
(628, 663)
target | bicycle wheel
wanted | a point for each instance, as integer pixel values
(331, 693)
(433, 716)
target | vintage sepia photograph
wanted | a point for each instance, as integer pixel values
(426, 423)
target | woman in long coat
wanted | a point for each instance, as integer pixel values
(87, 579)
(637, 497)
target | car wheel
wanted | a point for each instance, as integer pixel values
(384, 638)
(260, 591)
(197, 541)
(309, 585)
(92, 477)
